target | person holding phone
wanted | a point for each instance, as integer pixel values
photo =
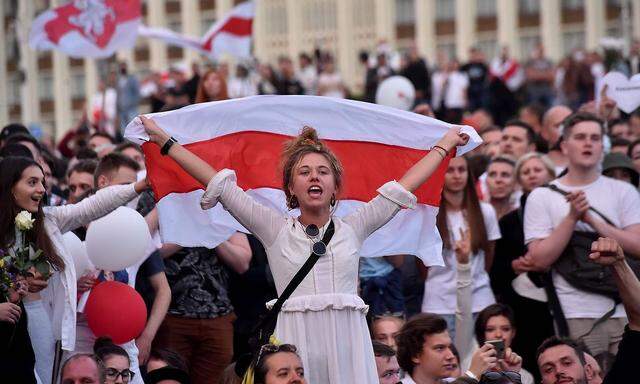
(495, 326)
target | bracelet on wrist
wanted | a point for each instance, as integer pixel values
(167, 145)
(470, 374)
(446, 153)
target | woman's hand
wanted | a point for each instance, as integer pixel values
(511, 362)
(462, 247)
(453, 138)
(10, 312)
(483, 360)
(156, 134)
(19, 291)
(36, 281)
(86, 282)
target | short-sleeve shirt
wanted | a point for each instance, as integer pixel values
(440, 287)
(545, 209)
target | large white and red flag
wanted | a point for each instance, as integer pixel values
(230, 35)
(87, 28)
(375, 144)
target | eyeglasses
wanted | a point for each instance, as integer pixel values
(501, 377)
(319, 247)
(126, 374)
(268, 349)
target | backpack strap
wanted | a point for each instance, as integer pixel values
(555, 188)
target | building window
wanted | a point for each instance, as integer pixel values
(45, 86)
(445, 9)
(77, 85)
(486, 8)
(527, 7)
(448, 49)
(573, 40)
(572, 4)
(405, 12)
(13, 90)
(528, 45)
(488, 48)
(205, 24)
(175, 26)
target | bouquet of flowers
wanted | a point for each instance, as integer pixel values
(23, 259)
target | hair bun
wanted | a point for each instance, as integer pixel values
(102, 342)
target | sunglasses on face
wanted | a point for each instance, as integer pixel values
(112, 374)
(501, 377)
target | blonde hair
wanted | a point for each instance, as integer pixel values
(295, 149)
(548, 164)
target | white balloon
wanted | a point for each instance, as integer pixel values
(118, 240)
(78, 252)
(397, 92)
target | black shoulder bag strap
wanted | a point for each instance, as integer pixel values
(554, 302)
(267, 323)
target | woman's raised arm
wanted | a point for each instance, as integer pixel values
(191, 163)
(421, 170)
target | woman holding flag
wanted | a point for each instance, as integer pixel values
(324, 317)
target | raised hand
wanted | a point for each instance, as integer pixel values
(483, 359)
(511, 362)
(606, 251)
(453, 138)
(462, 247)
(156, 134)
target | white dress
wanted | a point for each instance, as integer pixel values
(324, 317)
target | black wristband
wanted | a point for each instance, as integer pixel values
(167, 145)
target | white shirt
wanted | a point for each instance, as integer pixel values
(331, 83)
(59, 298)
(440, 287)
(545, 209)
(308, 77)
(456, 89)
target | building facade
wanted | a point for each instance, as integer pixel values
(50, 90)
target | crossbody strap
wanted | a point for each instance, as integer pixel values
(293, 284)
(555, 188)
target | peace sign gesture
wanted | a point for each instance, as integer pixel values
(462, 247)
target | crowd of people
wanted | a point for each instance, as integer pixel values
(540, 228)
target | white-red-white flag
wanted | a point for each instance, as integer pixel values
(229, 36)
(375, 144)
(87, 28)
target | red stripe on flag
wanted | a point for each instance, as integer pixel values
(117, 12)
(237, 26)
(255, 156)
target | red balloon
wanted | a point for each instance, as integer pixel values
(116, 310)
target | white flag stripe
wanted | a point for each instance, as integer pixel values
(334, 119)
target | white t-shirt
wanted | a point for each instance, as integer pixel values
(331, 83)
(456, 89)
(440, 287)
(545, 209)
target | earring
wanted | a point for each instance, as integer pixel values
(333, 200)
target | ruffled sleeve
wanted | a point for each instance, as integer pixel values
(392, 196)
(263, 222)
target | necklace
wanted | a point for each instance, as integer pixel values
(312, 231)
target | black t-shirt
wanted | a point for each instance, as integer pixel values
(624, 369)
(477, 73)
(152, 266)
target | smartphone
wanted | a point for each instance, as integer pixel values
(499, 346)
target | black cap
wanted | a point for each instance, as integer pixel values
(12, 129)
(615, 160)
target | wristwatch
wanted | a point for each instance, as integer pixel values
(167, 145)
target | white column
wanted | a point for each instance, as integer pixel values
(635, 19)
(386, 21)
(465, 28)
(30, 100)
(259, 32)
(346, 49)
(158, 58)
(61, 90)
(90, 82)
(294, 23)
(190, 26)
(508, 34)
(551, 34)
(4, 103)
(426, 28)
(595, 20)
(222, 8)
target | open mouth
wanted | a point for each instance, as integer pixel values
(315, 191)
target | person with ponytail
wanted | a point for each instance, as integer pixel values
(51, 303)
(324, 317)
